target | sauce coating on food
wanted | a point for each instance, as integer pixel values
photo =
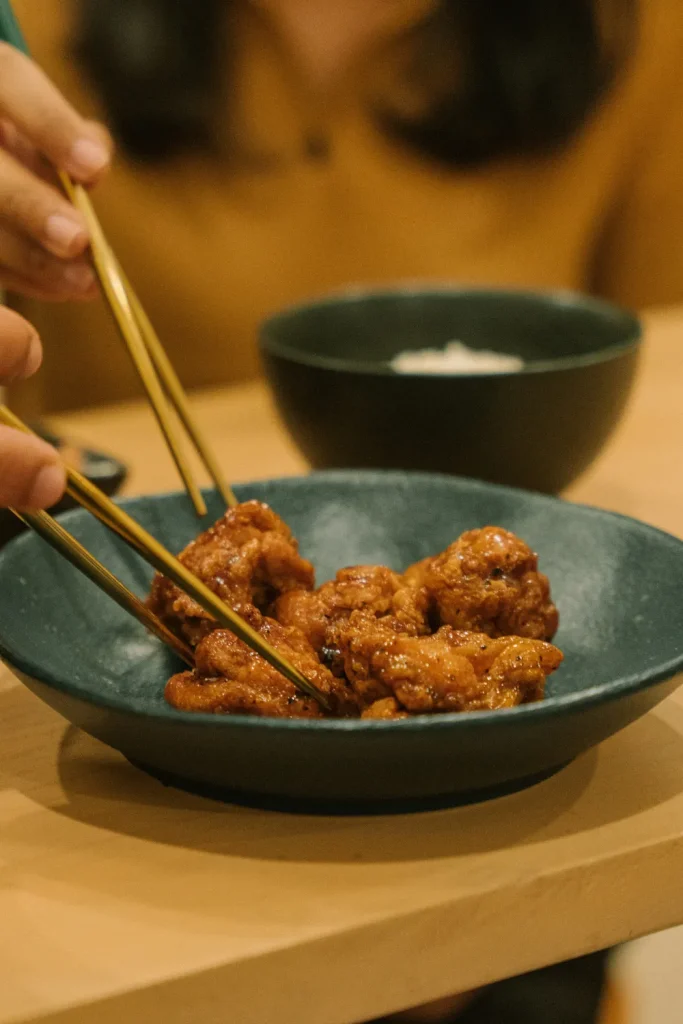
(464, 630)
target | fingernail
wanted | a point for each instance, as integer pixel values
(80, 278)
(64, 233)
(89, 157)
(34, 357)
(48, 487)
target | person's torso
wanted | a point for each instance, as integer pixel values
(212, 249)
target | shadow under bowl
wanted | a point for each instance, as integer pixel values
(328, 364)
(617, 582)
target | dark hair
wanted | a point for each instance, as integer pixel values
(494, 78)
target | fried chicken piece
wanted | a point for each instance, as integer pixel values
(248, 558)
(488, 581)
(230, 678)
(385, 710)
(354, 640)
(450, 670)
(373, 589)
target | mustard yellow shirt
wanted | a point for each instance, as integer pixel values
(212, 250)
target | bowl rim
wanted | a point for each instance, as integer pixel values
(548, 708)
(558, 298)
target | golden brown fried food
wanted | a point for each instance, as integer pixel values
(373, 589)
(248, 558)
(488, 581)
(230, 678)
(387, 709)
(484, 596)
(449, 671)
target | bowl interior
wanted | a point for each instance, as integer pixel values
(618, 583)
(368, 329)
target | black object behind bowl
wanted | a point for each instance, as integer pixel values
(328, 365)
(618, 584)
(103, 470)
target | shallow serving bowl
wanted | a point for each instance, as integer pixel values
(618, 584)
(328, 363)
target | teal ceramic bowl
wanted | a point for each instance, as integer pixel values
(618, 584)
(328, 365)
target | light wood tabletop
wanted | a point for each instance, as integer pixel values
(124, 901)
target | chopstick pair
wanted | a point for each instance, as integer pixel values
(158, 377)
(155, 554)
(161, 383)
(165, 393)
(67, 545)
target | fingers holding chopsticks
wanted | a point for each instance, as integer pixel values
(45, 118)
(31, 473)
(43, 238)
(27, 268)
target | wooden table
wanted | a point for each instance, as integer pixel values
(123, 901)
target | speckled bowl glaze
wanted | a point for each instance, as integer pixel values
(328, 365)
(618, 584)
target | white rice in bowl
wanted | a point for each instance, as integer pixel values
(455, 357)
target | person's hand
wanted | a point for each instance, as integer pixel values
(31, 473)
(43, 239)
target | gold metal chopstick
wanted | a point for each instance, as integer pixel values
(162, 560)
(150, 358)
(115, 292)
(113, 517)
(117, 296)
(67, 545)
(175, 392)
(161, 363)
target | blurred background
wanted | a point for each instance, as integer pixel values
(272, 151)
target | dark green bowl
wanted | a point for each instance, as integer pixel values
(328, 365)
(619, 586)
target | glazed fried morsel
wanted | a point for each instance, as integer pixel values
(373, 589)
(230, 678)
(385, 710)
(488, 581)
(450, 670)
(248, 558)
